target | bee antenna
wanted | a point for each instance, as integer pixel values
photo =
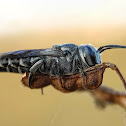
(103, 48)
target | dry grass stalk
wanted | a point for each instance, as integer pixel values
(93, 79)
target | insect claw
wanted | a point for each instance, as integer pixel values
(29, 79)
(60, 81)
(33, 69)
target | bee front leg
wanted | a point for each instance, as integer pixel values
(33, 69)
(59, 75)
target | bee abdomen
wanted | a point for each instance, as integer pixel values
(19, 65)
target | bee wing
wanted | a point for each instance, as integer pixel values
(33, 53)
(21, 54)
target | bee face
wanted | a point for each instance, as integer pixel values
(89, 55)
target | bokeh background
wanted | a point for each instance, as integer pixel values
(34, 24)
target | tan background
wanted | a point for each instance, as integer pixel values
(22, 27)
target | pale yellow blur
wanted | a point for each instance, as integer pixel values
(22, 106)
(41, 24)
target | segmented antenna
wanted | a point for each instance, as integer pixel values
(103, 48)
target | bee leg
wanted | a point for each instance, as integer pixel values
(29, 79)
(59, 76)
(81, 66)
(82, 73)
(33, 69)
(42, 91)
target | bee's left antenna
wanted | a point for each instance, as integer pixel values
(103, 48)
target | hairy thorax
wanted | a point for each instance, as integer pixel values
(62, 66)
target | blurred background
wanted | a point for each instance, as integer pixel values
(34, 24)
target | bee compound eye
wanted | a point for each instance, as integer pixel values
(90, 60)
(90, 56)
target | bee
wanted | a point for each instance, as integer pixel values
(60, 60)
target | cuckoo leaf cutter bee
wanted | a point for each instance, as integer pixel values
(60, 60)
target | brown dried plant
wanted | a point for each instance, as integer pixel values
(92, 81)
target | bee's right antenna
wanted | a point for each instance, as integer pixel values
(103, 48)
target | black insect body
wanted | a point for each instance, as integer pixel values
(65, 59)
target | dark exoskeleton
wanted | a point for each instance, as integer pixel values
(60, 60)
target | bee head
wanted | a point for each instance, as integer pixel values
(89, 55)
